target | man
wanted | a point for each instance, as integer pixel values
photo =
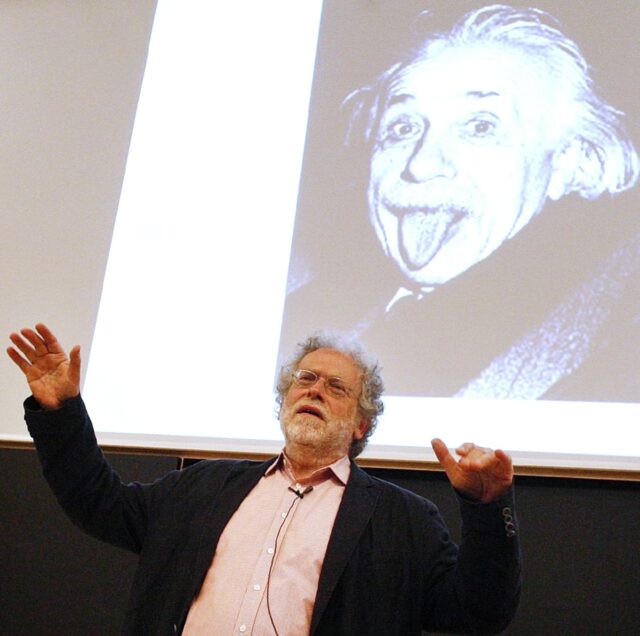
(468, 138)
(305, 543)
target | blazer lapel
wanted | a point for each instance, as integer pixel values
(356, 508)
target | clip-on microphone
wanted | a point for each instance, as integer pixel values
(308, 489)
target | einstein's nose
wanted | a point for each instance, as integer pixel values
(430, 159)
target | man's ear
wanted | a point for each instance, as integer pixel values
(363, 426)
(565, 164)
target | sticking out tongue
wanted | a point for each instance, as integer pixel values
(422, 233)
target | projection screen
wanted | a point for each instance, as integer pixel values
(463, 203)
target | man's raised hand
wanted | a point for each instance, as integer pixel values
(52, 376)
(481, 474)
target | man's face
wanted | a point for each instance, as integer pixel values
(316, 419)
(462, 158)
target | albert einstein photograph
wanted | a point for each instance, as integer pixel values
(468, 206)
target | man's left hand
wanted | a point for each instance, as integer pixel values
(481, 474)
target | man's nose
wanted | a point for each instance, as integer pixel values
(431, 158)
(318, 388)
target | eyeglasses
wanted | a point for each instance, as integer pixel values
(333, 386)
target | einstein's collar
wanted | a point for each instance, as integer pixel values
(404, 292)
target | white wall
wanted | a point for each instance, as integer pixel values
(70, 78)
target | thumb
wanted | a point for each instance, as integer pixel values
(446, 459)
(74, 366)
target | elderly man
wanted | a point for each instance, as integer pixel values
(304, 543)
(467, 139)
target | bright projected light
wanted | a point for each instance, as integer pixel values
(274, 187)
(192, 300)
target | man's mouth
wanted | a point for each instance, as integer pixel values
(422, 232)
(307, 409)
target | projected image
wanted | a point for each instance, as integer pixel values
(477, 228)
(452, 184)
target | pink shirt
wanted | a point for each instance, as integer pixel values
(273, 547)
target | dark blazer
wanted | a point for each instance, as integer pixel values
(390, 566)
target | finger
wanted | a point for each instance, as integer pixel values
(485, 460)
(505, 460)
(465, 449)
(473, 451)
(35, 339)
(18, 360)
(477, 462)
(480, 454)
(20, 343)
(49, 339)
(446, 459)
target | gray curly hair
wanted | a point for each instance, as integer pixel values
(370, 402)
(604, 158)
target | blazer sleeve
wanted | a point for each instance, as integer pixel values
(86, 486)
(478, 592)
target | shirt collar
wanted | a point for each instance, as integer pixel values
(341, 469)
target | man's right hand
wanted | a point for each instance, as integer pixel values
(52, 376)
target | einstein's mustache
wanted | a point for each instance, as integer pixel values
(453, 208)
(403, 200)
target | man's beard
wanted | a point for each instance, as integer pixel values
(309, 430)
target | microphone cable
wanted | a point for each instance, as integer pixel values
(299, 495)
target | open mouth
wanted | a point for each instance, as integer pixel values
(310, 410)
(422, 232)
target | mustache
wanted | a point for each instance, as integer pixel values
(402, 201)
(308, 407)
(414, 207)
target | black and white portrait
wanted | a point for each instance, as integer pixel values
(467, 206)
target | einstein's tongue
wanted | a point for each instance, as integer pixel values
(421, 234)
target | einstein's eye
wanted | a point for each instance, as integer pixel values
(403, 129)
(480, 128)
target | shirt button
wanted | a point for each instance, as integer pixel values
(243, 628)
(269, 550)
(283, 515)
(256, 587)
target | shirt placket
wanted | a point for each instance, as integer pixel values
(257, 586)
